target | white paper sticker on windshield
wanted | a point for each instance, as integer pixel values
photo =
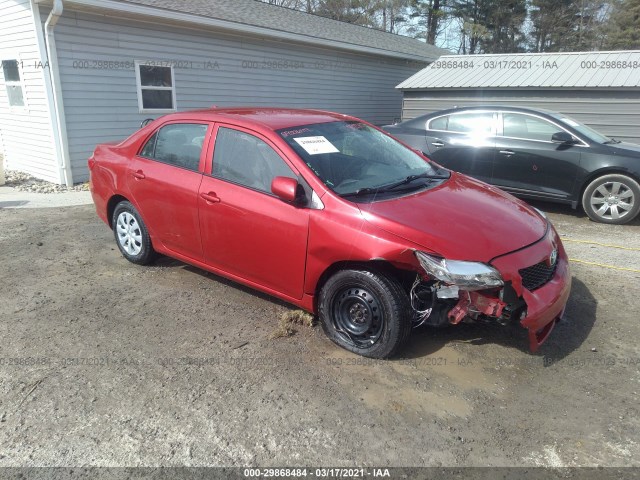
(316, 145)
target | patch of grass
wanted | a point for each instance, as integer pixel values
(288, 321)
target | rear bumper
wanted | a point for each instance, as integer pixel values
(544, 305)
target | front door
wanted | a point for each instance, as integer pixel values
(246, 230)
(529, 163)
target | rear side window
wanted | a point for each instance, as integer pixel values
(245, 159)
(177, 144)
(440, 123)
(475, 123)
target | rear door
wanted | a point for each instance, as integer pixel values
(464, 142)
(529, 163)
(164, 179)
(246, 230)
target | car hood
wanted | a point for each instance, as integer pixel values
(461, 219)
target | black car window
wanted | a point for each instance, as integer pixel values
(476, 123)
(439, 123)
(178, 144)
(517, 125)
(245, 159)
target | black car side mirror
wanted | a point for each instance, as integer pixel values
(563, 137)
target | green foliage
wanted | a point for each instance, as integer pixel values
(622, 32)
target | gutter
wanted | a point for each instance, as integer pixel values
(55, 91)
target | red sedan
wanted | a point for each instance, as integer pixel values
(335, 216)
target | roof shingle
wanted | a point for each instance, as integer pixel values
(259, 14)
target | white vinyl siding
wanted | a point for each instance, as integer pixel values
(97, 56)
(26, 131)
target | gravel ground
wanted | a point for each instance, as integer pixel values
(105, 363)
(26, 183)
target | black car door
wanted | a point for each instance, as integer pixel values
(528, 163)
(464, 142)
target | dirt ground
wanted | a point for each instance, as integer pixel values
(106, 363)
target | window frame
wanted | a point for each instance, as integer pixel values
(140, 87)
(208, 169)
(204, 151)
(539, 117)
(19, 63)
(494, 122)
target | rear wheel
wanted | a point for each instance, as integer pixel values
(365, 312)
(612, 198)
(131, 234)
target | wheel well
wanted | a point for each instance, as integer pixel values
(111, 206)
(404, 277)
(602, 173)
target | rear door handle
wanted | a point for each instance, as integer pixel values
(139, 174)
(210, 197)
(508, 153)
(438, 143)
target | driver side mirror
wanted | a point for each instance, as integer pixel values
(286, 189)
(563, 138)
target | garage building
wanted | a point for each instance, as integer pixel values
(80, 72)
(600, 89)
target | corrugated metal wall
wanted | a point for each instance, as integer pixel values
(101, 104)
(27, 137)
(615, 113)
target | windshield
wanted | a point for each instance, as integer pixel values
(354, 158)
(588, 132)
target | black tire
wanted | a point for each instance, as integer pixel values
(365, 312)
(131, 234)
(613, 199)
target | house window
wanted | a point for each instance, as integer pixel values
(156, 87)
(13, 83)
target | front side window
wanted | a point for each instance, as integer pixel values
(242, 158)
(178, 144)
(13, 83)
(156, 87)
(352, 158)
(517, 125)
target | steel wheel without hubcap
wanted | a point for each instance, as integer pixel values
(129, 233)
(365, 312)
(612, 199)
(357, 316)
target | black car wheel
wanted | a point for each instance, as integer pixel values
(612, 198)
(365, 312)
(131, 234)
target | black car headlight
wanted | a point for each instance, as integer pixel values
(466, 275)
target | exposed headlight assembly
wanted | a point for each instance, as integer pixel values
(466, 275)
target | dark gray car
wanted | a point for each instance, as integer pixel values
(534, 154)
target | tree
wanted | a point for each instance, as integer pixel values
(429, 19)
(567, 25)
(622, 32)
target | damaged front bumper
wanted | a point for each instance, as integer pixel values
(536, 288)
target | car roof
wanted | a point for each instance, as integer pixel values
(490, 107)
(270, 117)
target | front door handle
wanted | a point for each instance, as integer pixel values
(210, 197)
(508, 153)
(138, 174)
